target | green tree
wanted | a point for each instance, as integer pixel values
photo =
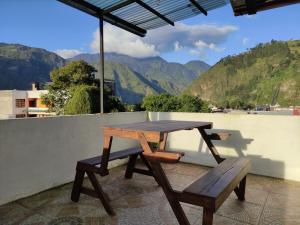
(83, 101)
(188, 103)
(168, 103)
(75, 90)
(160, 103)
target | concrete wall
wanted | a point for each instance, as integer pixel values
(6, 104)
(271, 142)
(37, 154)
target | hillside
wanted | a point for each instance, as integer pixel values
(169, 77)
(266, 74)
(21, 65)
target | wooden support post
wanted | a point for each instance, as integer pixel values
(101, 195)
(242, 189)
(107, 140)
(169, 192)
(162, 145)
(77, 185)
(207, 217)
(130, 166)
(211, 146)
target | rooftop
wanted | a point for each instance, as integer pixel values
(140, 201)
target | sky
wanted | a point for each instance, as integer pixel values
(56, 27)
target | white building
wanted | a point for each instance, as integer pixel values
(19, 104)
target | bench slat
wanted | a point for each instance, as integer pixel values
(219, 182)
(113, 156)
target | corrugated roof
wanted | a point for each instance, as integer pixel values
(140, 17)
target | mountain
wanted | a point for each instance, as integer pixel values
(155, 73)
(135, 77)
(197, 66)
(266, 74)
(21, 65)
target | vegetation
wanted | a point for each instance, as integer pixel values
(168, 103)
(74, 90)
(265, 75)
(83, 101)
(138, 77)
(135, 77)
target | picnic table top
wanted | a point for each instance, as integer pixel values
(162, 126)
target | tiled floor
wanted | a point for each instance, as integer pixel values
(140, 201)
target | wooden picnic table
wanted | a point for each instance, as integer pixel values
(155, 132)
(210, 191)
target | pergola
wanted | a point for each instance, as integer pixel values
(139, 16)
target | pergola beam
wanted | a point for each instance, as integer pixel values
(141, 3)
(119, 6)
(108, 17)
(198, 6)
(242, 7)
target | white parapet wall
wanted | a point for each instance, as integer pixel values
(271, 142)
(40, 153)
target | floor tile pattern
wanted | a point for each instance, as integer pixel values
(140, 201)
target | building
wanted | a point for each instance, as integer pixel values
(23, 103)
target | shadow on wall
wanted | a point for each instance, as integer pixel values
(236, 146)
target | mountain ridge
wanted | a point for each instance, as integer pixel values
(266, 74)
(21, 65)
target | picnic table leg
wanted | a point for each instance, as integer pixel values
(77, 185)
(215, 154)
(242, 189)
(169, 192)
(162, 144)
(130, 166)
(207, 218)
(162, 180)
(107, 140)
(101, 195)
(211, 146)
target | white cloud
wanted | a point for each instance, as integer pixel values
(245, 40)
(123, 42)
(201, 45)
(164, 39)
(67, 53)
(177, 46)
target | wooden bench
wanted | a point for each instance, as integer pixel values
(212, 189)
(91, 167)
(209, 191)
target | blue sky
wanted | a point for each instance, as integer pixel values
(56, 27)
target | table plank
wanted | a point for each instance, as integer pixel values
(162, 126)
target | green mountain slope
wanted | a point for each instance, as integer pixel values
(172, 77)
(131, 87)
(21, 65)
(266, 74)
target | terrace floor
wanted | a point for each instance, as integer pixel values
(140, 201)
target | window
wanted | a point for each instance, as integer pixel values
(20, 103)
(32, 102)
(20, 115)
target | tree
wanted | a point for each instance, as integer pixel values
(189, 103)
(168, 103)
(160, 103)
(75, 90)
(83, 101)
